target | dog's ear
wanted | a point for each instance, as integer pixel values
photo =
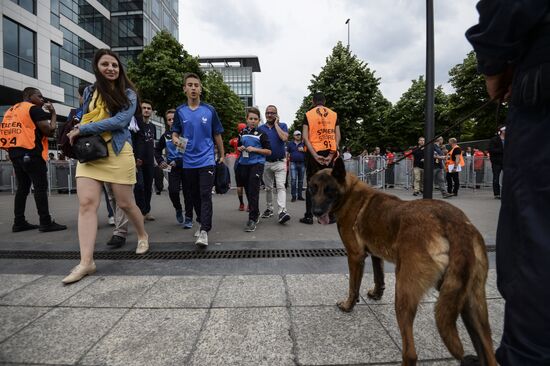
(339, 170)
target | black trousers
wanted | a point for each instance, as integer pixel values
(497, 168)
(159, 179)
(32, 172)
(523, 244)
(199, 183)
(250, 175)
(176, 184)
(144, 187)
(312, 167)
(452, 182)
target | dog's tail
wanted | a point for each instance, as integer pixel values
(455, 286)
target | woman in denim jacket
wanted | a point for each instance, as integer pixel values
(109, 106)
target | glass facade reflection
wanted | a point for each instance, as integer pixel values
(19, 48)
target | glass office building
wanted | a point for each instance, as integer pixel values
(50, 44)
(238, 73)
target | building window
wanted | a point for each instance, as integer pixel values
(19, 48)
(70, 84)
(166, 20)
(155, 8)
(77, 51)
(55, 61)
(29, 5)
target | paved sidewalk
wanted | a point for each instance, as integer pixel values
(211, 320)
(272, 311)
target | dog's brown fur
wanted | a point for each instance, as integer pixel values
(432, 243)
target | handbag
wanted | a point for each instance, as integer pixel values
(90, 148)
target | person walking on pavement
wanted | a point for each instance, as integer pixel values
(439, 168)
(25, 130)
(254, 147)
(275, 165)
(511, 43)
(145, 147)
(109, 105)
(321, 134)
(176, 178)
(296, 152)
(496, 153)
(199, 125)
(418, 167)
(454, 164)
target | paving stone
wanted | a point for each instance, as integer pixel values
(149, 337)
(326, 335)
(491, 290)
(180, 292)
(238, 336)
(10, 282)
(429, 345)
(14, 318)
(46, 291)
(59, 337)
(115, 291)
(495, 309)
(250, 291)
(312, 290)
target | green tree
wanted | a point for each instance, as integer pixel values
(407, 117)
(229, 106)
(351, 90)
(470, 93)
(159, 69)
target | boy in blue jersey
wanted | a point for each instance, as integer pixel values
(254, 147)
(176, 178)
(198, 122)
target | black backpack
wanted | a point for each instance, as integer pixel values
(222, 179)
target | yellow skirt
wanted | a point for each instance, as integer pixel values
(118, 169)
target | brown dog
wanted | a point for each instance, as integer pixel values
(432, 243)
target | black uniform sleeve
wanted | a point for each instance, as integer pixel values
(161, 145)
(138, 139)
(504, 26)
(38, 114)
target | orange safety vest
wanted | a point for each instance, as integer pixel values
(322, 128)
(450, 158)
(19, 130)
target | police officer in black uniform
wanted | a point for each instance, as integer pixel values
(512, 43)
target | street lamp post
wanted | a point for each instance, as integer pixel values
(429, 124)
(347, 22)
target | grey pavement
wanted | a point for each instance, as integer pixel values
(267, 311)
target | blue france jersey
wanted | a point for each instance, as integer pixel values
(254, 138)
(199, 126)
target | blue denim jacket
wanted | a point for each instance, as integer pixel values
(117, 124)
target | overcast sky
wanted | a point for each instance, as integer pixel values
(292, 39)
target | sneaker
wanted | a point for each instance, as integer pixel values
(447, 195)
(307, 220)
(293, 199)
(247, 208)
(301, 198)
(283, 217)
(116, 241)
(267, 214)
(149, 217)
(416, 194)
(53, 226)
(179, 216)
(241, 207)
(188, 224)
(23, 227)
(202, 240)
(111, 220)
(197, 233)
(497, 196)
(250, 226)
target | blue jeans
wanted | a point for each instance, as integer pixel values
(297, 172)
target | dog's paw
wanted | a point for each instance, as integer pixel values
(345, 306)
(375, 294)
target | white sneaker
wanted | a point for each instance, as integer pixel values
(112, 221)
(202, 240)
(197, 233)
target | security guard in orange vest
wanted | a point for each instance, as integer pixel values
(23, 133)
(321, 134)
(454, 163)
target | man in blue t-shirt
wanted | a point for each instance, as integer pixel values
(198, 122)
(275, 165)
(296, 152)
